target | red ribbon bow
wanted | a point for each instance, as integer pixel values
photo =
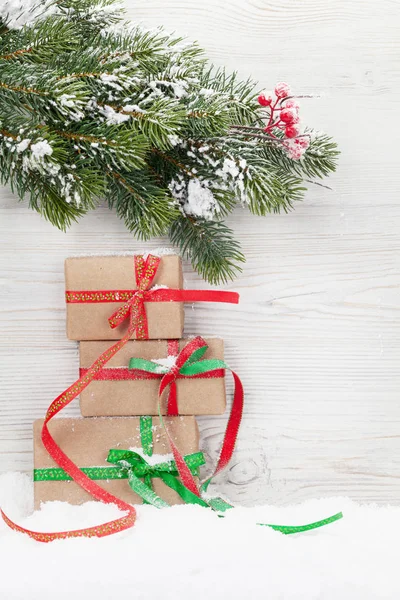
(144, 272)
(174, 374)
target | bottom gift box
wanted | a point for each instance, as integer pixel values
(139, 450)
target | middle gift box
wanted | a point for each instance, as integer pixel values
(122, 391)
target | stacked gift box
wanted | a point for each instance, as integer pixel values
(120, 421)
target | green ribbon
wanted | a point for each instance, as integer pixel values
(193, 366)
(136, 467)
(220, 506)
(146, 435)
(132, 466)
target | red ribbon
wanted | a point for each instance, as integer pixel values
(125, 374)
(232, 428)
(169, 379)
(137, 298)
(134, 309)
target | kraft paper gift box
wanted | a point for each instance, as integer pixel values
(111, 395)
(88, 441)
(89, 320)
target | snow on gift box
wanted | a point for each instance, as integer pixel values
(122, 391)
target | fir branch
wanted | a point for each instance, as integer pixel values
(91, 16)
(158, 123)
(268, 188)
(210, 246)
(319, 160)
(146, 209)
(45, 199)
(122, 148)
(240, 96)
(168, 166)
(207, 116)
(39, 41)
(93, 107)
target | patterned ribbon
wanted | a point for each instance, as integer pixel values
(187, 365)
(145, 272)
(146, 434)
(134, 300)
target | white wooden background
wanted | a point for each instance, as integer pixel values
(316, 337)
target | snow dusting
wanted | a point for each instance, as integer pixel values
(158, 252)
(113, 117)
(155, 459)
(41, 149)
(18, 13)
(144, 253)
(167, 361)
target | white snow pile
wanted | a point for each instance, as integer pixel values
(195, 197)
(188, 552)
(200, 200)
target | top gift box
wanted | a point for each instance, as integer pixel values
(99, 286)
(123, 297)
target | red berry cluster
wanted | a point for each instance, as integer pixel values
(283, 114)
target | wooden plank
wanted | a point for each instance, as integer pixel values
(316, 336)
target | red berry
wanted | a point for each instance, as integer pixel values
(288, 115)
(303, 142)
(295, 153)
(291, 103)
(282, 90)
(291, 131)
(264, 100)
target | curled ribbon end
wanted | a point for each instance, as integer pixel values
(290, 529)
(98, 531)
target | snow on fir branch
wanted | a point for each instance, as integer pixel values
(94, 107)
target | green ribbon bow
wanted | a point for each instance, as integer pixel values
(135, 467)
(192, 367)
(188, 364)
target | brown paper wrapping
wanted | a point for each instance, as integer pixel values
(87, 442)
(90, 321)
(140, 397)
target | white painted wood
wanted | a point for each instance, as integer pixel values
(316, 337)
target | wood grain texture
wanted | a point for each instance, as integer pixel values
(316, 336)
